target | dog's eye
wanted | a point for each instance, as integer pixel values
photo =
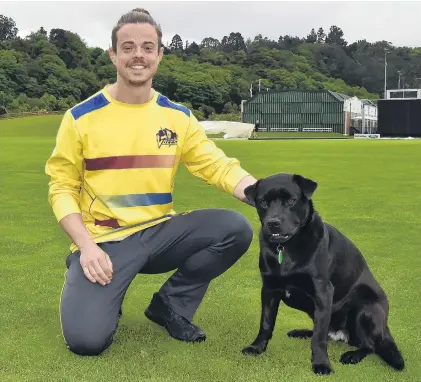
(263, 203)
(291, 201)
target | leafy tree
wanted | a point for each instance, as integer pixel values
(207, 111)
(312, 37)
(321, 36)
(210, 43)
(228, 108)
(233, 43)
(70, 46)
(335, 36)
(289, 42)
(193, 49)
(8, 29)
(176, 44)
(55, 70)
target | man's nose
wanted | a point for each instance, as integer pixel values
(138, 52)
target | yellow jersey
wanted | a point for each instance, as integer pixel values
(115, 163)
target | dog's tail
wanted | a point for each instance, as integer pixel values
(387, 349)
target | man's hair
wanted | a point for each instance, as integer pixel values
(135, 16)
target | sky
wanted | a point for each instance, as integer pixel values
(396, 22)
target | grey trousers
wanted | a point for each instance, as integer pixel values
(200, 246)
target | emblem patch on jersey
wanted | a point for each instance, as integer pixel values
(166, 137)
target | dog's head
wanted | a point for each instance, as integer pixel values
(283, 203)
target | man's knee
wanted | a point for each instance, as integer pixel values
(90, 343)
(237, 228)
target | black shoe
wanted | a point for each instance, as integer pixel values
(177, 326)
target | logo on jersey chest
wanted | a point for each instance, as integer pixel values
(166, 137)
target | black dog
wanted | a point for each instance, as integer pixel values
(312, 267)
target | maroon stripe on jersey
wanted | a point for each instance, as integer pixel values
(130, 161)
(113, 223)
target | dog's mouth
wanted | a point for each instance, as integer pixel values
(278, 238)
(281, 237)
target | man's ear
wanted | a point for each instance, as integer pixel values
(160, 54)
(307, 186)
(112, 55)
(250, 193)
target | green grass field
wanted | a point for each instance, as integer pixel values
(369, 189)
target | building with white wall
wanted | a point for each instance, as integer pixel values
(363, 114)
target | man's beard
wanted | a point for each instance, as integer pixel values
(127, 78)
(138, 83)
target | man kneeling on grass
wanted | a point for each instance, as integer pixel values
(112, 173)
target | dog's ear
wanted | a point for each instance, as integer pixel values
(307, 186)
(250, 193)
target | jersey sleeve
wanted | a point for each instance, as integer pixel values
(205, 160)
(65, 168)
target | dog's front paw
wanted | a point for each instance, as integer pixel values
(254, 349)
(322, 369)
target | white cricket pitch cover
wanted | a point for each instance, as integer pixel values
(232, 130)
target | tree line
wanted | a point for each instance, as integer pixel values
(54, 70)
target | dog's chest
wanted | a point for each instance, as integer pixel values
(276, 264)
(283, 273)
(287, 267)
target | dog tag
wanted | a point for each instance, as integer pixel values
(280, 254)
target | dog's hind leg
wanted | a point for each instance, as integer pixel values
(355, 356)
(365, 325)
(387, 349)
(374, 337)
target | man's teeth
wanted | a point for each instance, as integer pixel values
(138, 67)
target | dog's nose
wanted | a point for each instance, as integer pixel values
(274, 223)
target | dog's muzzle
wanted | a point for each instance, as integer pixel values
(273, 227)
